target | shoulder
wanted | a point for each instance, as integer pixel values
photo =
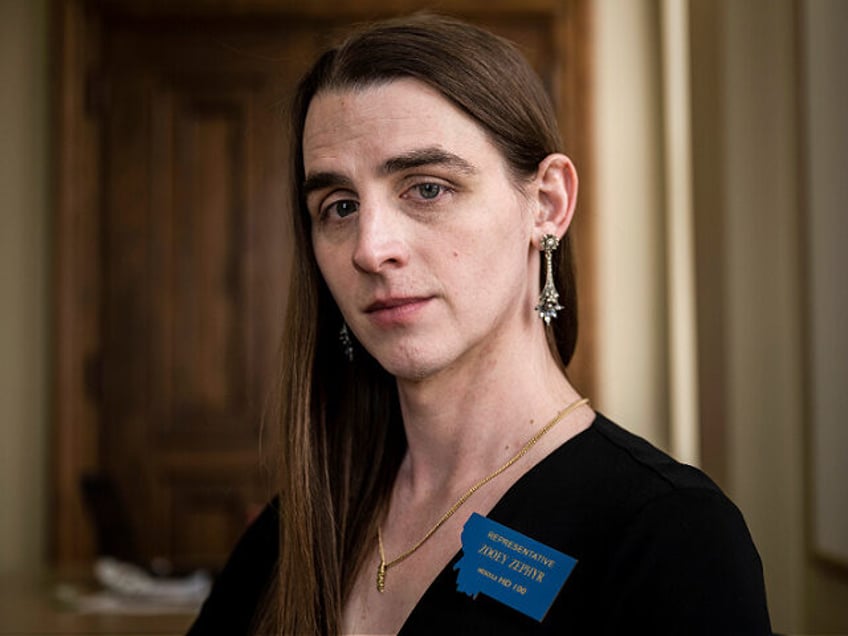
(675, 503)
(686, 559)
(658, 543)
(240, 588)
(607, 474)
(621, 485)
(623, 456)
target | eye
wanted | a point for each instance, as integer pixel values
(429, 190)
(341, 208)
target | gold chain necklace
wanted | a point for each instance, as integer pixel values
(384, 565)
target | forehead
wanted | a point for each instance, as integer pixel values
(385, 119)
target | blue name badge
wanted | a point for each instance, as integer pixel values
(510, 567)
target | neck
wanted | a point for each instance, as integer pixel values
(466, 422)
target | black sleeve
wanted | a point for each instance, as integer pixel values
(687, 565)
(240, 588)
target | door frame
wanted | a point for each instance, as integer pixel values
(77, 33)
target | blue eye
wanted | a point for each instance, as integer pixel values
(429, 190)
(343, 208)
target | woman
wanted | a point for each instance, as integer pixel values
(432, 313)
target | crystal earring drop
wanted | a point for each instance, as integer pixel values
(346, 342)
(549, 298)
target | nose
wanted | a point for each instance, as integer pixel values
(380, 240)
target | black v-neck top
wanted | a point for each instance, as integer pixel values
(660, 550)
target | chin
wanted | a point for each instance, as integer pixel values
(412, 366)
(410, 371)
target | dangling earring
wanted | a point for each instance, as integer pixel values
(347, 342)
(549, 298)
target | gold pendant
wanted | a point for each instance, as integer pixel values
(381, 577)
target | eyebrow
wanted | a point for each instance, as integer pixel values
(414, 159)
(321, 180)
(427, 157)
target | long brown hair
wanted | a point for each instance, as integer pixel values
(341, 431)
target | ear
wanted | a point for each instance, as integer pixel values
(556, 193)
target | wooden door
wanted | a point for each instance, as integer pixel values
(195, 262)
(184, 288)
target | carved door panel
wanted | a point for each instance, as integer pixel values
(195, 262)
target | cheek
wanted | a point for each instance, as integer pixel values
(488, 268)
(507, 263)
(331, 267)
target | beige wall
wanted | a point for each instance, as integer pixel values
(24, 272)
(763, 379)
(755, 193)
(629, 208)
(824, 109)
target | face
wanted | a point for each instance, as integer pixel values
(421, 234)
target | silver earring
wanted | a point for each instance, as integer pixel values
(347, 342)
(549, 298)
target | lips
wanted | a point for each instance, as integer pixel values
(392, 303)
(395, 310)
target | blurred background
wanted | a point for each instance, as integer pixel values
(144, 253)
